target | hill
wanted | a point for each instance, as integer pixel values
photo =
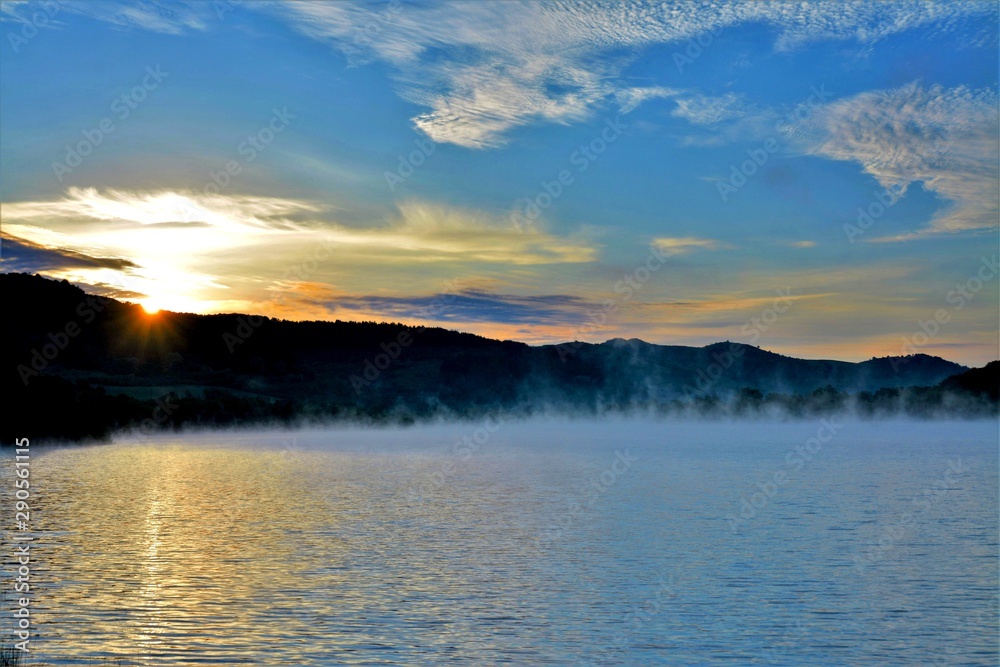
(76, 364)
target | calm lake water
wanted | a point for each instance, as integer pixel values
(538, 543)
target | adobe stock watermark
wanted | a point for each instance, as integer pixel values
(32, 25)
(157, 7)
(160, 417)
(409, 163)
(373, 367)
(59, 340)
(704, 378)
(759, 324)
(594, 489)
(460, 451)
(250, 148)
(922, 161)
(581, 158)
(21, 544)
(290, 447)
(868, 215)
(223, 7)
(363, 35)
(694, 48)
(788, 640)
(739, 174)
(794, 462)
(920, 503)
(626, 288)
(753, 328)
(246, 326)
(121, 108)
(638, 617)
(927, 330)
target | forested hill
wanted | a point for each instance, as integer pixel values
(76, 364)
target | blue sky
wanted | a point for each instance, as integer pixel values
(384, 158)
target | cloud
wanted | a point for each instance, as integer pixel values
(174, 241)
(163, 209)
(705, 110)
(23, 255)
(684, 245)
(186, 249)
(447, 232)
(177, 243)
(943, 138)
(629, 99)
(471, 306)
(483, 69)
(177, 224)
(173, 19)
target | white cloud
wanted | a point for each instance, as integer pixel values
(706, 110)
(170, 18)
(160, 208)
(945, 139)
(482, 69)
(485, 68)
(630, 98)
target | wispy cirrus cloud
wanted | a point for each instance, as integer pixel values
(709, 110)
(169, 18)
(444, 232)
(629, 99)
(162, 208)
(943, 138)
(483, 69)
(171, 222)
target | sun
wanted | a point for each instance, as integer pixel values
(150, 307)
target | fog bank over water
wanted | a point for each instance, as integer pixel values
(558, 433)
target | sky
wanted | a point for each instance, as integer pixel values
(819, 179)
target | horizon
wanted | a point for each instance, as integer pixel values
(680, 174)
(152, 315)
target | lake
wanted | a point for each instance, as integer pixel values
(624, 542)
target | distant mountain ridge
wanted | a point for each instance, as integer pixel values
(726, 367)
(58, 340)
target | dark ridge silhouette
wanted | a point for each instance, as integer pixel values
(79, 366)
(983, 381)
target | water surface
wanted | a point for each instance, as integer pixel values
(539, 543)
